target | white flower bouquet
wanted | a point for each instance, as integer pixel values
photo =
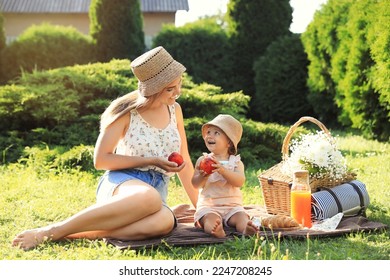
(317, 153)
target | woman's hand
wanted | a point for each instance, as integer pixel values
(168, 166)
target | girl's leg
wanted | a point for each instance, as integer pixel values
(134, 201)
(212, 224)
(241, 222)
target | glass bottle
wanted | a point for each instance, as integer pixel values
(301, 198)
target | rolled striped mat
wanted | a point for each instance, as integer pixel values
(349, 198)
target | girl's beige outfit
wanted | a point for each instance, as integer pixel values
(219, 197)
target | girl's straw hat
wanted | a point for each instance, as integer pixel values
(229, 125)
(155, 70)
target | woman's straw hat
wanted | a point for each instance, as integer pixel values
(155, 70)
(229, 125)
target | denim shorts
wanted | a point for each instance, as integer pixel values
(111, 179)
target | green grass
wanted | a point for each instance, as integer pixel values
(34, 196)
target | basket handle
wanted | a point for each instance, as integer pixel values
(292, 129)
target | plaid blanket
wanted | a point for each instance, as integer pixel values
(185, 234)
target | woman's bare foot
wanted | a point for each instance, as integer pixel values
(250, 229)
(30, 239)
(217, 230)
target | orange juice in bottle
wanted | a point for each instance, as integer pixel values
(301, 198)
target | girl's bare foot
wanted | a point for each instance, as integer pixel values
(250, 229)
(217, 230)
(30, 239)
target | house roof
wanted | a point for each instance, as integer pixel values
(82, 6)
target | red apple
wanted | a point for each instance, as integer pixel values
(176, 157)
(206, 165)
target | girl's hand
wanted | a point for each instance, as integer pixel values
(218, 166)
(203, 174)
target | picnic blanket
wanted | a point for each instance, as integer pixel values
(185, 234)
(349, 198)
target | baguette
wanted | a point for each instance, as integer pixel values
(279, 221)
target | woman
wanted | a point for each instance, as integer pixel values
(138, 132)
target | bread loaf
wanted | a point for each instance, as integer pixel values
(279, 221)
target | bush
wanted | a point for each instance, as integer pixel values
(58, 159)
(45, 47)
(348, 70)
(281, 92)
(78, 158)
(358, 93)
(207, 101)
(260, 143)
(202, 47)
(11, 146)
(63, 96)
(62, 107)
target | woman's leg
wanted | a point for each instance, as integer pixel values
(157, 224)
(133, 202)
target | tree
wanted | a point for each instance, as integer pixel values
(321, 42)
(194, 45)
(252, 26)
(2, 33)
(349, 64)
(117, 28)
(281, 91)
(2, 43)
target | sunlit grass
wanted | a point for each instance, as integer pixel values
(33, 197)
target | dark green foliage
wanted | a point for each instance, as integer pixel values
(40, 158)
(2, 33)
(79, 157)
(45, 47)
(11, 146)
(260, 142)
(79, 94)
(378, 37)
(61, 108)
(58, 159)
(117, 28)
(281, 82)
(202, 47)
(357, 94)
(63, 96)
(207, 101)
(253, 25)
(2, 43)
(349, 60)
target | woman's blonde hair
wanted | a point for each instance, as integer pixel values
(123, 105)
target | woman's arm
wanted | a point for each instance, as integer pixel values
(105, 157)
(187, 172)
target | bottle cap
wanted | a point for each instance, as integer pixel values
(301, 173)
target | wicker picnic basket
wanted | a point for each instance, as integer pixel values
(276, 186)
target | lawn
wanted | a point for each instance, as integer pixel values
(34, 196)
